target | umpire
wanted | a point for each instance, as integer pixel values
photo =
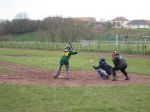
(120, 64)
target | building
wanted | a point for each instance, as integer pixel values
(138, 24)
(83, 20)
(119, 22)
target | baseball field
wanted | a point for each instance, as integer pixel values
(27, 83)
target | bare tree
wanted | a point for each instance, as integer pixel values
(21, 15)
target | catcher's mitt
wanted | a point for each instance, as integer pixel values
(91, 61)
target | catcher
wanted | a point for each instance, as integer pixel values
(103, 69)
(65, 61)
(120, 64)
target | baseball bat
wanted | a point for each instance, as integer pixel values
(70, 45)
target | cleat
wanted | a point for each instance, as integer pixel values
(67, 78)
(114, 79)
(127, 78)
(106, 78)
(55, 77)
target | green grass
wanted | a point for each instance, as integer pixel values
(50, 60)
(5, 69)
(133, 98)
(33, 36)
(129, 98)
(139, 65)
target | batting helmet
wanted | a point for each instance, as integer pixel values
(114, 53)
(67, 49)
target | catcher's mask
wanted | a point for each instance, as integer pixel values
(102, 59)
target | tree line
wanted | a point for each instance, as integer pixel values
(58, 28)
(61, 29)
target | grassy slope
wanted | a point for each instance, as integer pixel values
(45, 35)
(33, 36)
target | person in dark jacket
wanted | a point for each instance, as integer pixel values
(103, 69)
(65, 61)
(119, 64)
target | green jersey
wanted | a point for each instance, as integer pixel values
(66, 56)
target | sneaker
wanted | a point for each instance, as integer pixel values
(106, 78)
(55, 77)
(67, 78)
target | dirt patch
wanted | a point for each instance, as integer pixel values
(24, 75)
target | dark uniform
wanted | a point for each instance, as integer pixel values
(104, 69)
(65, 61)
(119, 64)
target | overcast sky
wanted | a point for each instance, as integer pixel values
(99, 9)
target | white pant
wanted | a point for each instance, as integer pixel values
(102, 73)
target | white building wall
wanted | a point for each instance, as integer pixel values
(122, 24)
(138, 26)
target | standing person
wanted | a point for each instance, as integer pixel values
(103, 69)
(119, 64)
(65, 61)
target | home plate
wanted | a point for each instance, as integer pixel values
(61, 76)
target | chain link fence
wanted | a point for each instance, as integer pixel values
(129, 47)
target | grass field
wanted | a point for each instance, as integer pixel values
(133, 98)
(127, 98)
(50, 59)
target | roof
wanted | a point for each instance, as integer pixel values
(139, 22)
(84, 19)
(120, 19)
(148, 21)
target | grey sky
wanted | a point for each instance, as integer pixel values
(100, 9)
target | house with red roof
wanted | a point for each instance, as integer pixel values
(122, 22)
(85, 20)
(119, 22)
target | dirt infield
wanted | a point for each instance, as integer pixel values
(23, 75)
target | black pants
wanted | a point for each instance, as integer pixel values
(122, 68)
